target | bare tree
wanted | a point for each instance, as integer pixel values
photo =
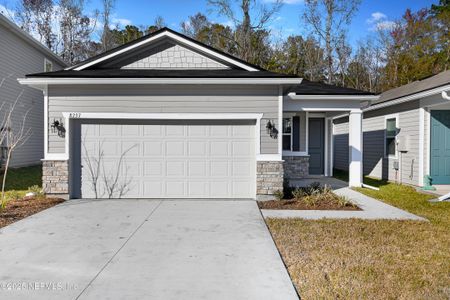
(38, 16)
(111, 180)
(75, 31)
(107, 39)
(93, 164)
(243, 23)
(328, 18)
(13, 134)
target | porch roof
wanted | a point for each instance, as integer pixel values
(317, 88)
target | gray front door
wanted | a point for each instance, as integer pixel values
(316, 146)
(440, 146)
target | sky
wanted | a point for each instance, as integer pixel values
(371, 14)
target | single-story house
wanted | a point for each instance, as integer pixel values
(406, 134)
(165, 116)
(21, 54)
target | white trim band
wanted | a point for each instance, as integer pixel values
(90, 81)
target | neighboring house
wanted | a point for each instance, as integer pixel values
(165, 116)
(406, 133)
(21, 54)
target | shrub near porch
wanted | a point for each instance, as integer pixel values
(371, 259)
(18, 183)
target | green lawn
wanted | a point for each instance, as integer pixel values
(19, 180)
(364, 259)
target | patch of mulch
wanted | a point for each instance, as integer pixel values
(16, 210)
(301, 205)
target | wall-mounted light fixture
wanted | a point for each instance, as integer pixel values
(271, 130)
(58, 127)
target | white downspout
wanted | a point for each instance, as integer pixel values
(447, 196)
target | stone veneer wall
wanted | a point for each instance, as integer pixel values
(296, 166)
(269, 179)
(55, 177)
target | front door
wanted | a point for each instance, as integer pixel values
(440, 146)
(316, 147)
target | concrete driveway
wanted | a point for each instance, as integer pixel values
(142, 249)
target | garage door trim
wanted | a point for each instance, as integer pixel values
(162, 117)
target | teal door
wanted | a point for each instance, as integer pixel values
(440, 146)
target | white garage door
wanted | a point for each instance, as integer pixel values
(191, 160)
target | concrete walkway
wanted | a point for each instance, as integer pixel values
(143, 249)
(371, 209)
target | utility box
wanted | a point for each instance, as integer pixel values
(403, 143)
(396, 165)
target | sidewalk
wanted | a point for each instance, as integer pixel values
(372, 209)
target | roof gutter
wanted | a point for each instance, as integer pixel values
(294, 96)
(445, 95)
(42, 81)
(440, 90)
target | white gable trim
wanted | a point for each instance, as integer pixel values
(175, 37)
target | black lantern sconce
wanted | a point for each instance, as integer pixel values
(271, 130)
(58, 127)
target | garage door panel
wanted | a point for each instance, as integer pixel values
(198, 188)
(175, 168)
(219, 148)
(175, 131)
(108, 130)
(173, 161)
(175, 189)
(197, 148)
(132, 168)
(153, 131)
(153, 148)
(241, 168)
(130, 131)
(219, 189)
(154, 168)
(241, 188)
(197, 168)
(219, 169)
(174, 148)
(197, 131)
(153, 188)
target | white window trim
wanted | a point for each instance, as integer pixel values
(397, 118)
(45, 64)
(290, 134)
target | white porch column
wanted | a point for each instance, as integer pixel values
(355, 143)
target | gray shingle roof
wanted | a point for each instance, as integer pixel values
(317, 88)
(416, 87)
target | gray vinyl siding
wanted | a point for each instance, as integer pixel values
(375, 162)
(165, 99)
(340, 144)
(17, 58)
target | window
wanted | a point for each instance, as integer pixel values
(287, 133)
(390, 137)
(48, 66)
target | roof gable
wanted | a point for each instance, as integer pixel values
(141, 49)
(173, 56)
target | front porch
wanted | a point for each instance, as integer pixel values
(307, 135)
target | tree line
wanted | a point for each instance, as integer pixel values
(413, 47)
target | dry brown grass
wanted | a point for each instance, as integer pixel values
(350, 259)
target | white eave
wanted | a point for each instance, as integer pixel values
(294, 96)
(41, 82)
(439, 90)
